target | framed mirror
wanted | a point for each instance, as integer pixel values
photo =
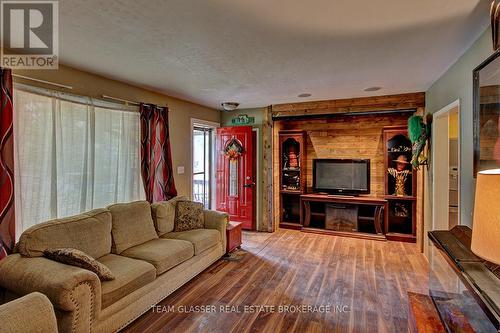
(487, 114)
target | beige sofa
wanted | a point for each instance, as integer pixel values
(32, 313)
(134, 240)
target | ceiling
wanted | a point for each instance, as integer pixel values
(262, 52)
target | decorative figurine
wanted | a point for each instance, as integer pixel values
(293, 158)
(400, 174)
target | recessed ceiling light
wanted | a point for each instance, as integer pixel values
(304, 95)
(372, 89)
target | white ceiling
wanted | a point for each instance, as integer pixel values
(261, 52)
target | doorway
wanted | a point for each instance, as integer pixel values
(202, 165)
(236, 175)
(446, 167)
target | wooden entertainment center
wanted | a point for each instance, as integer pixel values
(390, 210)
(343, 215)
(389, 216)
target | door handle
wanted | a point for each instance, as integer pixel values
(249, 185)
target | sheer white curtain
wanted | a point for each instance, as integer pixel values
(72, 154)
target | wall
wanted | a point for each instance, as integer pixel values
(88, 84)
(456, 83)
(258, 114)
(348, 137)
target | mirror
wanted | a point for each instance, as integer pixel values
(487, 114)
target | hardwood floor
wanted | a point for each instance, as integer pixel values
(364, 281)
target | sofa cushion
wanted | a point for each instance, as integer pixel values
(188, 216)
(201, 239)
(88, 232)
(132, 225)
(80, 259)
(130, 275)
(163, 213)
(162, 253)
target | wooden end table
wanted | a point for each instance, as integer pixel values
(233, 236)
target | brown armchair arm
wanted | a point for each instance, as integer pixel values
(31, 313)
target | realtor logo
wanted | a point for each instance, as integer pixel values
(29, 34)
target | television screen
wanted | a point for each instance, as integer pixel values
(345, 176)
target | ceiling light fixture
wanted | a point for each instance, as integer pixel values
(304, 95)
(372, 89)
(230, 106)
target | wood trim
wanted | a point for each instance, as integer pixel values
(360, 200)
(359, 235)
(267, 173)
(394, 236)
(420, 217)
(350, 105)
(289, 225)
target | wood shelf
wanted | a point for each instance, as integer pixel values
(318, 214)
(395, 236)
(396, 197)
(291, 192)
(290, 225)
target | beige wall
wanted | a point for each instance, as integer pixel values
(181, 111)
(456, 83)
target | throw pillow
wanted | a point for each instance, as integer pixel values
(188, 216)
(80, 259)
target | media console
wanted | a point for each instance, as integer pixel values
(362, 217)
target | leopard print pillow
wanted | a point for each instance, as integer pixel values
(80, 259)
(188, 216)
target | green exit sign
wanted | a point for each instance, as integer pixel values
(243, 119)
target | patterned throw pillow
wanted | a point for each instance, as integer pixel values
(80, 259)
(188, 216)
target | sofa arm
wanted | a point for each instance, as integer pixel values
(217, 220)
(31, 313)
(69, 288)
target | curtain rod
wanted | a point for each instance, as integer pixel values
(126, 101)
(42, 81)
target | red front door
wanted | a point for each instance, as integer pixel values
(235, 180)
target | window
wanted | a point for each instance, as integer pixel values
(202, 182)
(72, 154)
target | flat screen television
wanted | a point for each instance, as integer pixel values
(341, 176)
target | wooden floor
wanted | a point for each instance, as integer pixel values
(365, 283)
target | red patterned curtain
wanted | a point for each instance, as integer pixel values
(156, 157)
(7, 222)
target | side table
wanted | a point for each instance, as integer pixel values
(233, 236)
